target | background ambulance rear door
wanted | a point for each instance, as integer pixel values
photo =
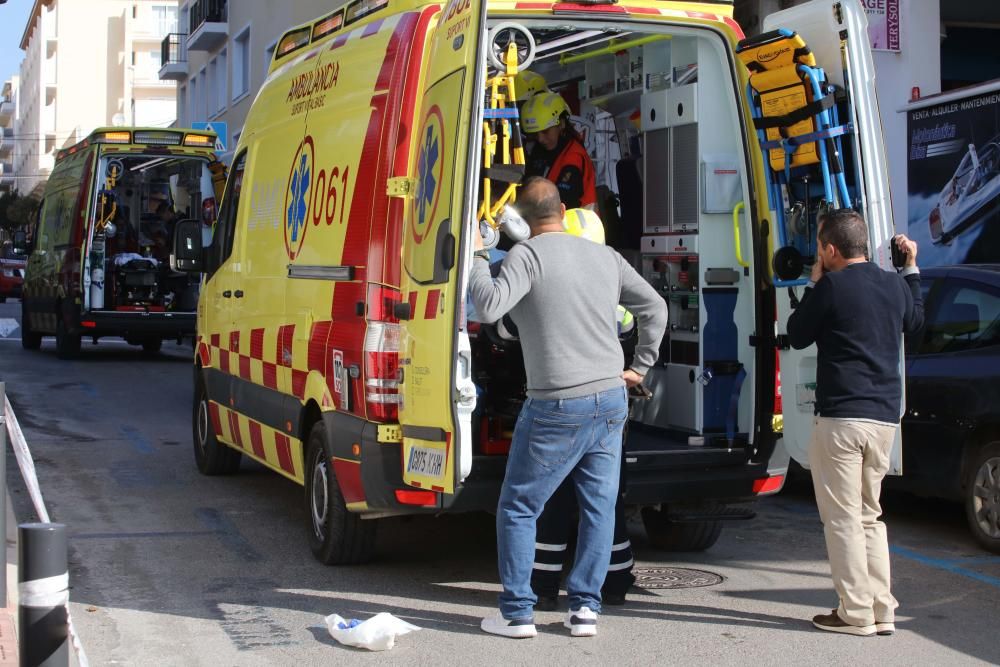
(837, 33)
(437, 391)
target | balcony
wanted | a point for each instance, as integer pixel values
(6, 111)
(209, 25)
(6, 142)
(173, 57)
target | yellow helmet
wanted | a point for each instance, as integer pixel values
(543, 111)
(527, 84)
(584, 223)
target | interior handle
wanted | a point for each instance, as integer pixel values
(736, 236)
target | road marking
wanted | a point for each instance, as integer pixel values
(946, 565)
(130, 536)
(8, 325)
(138, 440)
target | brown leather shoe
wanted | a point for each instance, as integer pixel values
(833, 623)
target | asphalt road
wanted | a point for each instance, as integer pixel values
(169, 567)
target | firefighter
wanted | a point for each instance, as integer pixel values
(558, 154)
(555, 525)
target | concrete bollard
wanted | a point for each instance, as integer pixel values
(43, 584)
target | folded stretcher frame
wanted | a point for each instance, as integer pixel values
(797, 122)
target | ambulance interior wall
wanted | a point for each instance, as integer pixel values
(676, 174)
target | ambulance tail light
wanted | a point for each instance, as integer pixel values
(381, 354)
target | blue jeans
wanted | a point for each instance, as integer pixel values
(555, 439)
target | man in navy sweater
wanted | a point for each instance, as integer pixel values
(855, 313)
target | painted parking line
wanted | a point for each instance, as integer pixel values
(228, 533)
(953, 566)
(138, 440)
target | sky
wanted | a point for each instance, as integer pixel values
(13, 16)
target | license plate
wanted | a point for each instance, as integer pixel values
(425, 461)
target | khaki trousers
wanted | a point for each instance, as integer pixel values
(848, 460)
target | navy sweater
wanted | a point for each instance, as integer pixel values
(855, 316)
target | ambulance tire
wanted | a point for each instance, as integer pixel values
(67, 344)
(337, 536)
(211, 456)
(29, 339)
(667, 535)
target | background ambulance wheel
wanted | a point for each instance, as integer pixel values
(67, 344)
(29, 339)
(668, 535)
(982, 496)
(212, 456)
(336, 536)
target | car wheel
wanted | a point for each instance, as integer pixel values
(668, 535)
(336, 535)
(29, 339)
(67, 344)
(211, 456)
(982, 497)
(3, 299)
(151, 346)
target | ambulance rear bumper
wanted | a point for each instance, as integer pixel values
(137, 324)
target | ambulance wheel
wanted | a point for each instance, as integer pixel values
(667, 535)
(151, 346)
(30, 340)
(982, 497)
(67, 344)
(336, 535)
(211, 456)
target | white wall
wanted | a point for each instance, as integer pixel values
(918, 64)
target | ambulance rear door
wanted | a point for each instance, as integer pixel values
(837, 33)
(436, 388)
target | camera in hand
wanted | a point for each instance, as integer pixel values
(898, 254)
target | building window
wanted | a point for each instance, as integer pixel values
(269, 55)
(164, 19)
(219, 99)
(181, 106)
(154, 60)
(241, 64)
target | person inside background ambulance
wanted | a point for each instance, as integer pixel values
(558, 154)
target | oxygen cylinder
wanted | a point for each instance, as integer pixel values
(97, 289)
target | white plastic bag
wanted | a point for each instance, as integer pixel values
(378, 633)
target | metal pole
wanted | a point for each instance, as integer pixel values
(3, 494)
(43, 584)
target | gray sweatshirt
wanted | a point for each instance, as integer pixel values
(562, 291)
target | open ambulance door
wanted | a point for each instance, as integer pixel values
(837, 33)
(437, 392)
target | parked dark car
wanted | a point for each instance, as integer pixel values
(951, 427)
(11, 272)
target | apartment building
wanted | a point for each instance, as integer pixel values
(8, 117)
(220, 55)
(88, 64)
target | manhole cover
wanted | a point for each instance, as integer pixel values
(674, 577)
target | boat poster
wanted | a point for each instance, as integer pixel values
(953, 171)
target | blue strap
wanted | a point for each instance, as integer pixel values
(510, 113)
(734, 404)
(792, 143)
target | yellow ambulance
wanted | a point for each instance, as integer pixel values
(99, 253)
(333, 344)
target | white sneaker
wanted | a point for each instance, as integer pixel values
(885, 629)
(518, 628)
(581, 622)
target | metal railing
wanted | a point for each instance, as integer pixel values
(207, 11)
(173, 49)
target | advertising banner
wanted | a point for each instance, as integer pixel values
(953, 169)
(883, 24)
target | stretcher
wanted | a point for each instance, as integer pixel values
(797, 120)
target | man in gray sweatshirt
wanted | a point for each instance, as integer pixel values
(562, 293)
